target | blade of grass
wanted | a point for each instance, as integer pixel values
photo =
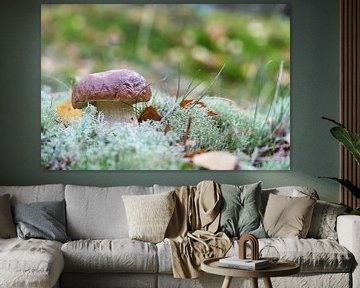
(276, 94)
(205, 92)
(56, 80)
(259, 77)
(178, 82)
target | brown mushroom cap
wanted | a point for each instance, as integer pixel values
(122, 85)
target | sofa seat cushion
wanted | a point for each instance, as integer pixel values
(313, 255)
(110, 255)
(30, 263)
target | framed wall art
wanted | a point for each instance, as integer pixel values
(165, 87)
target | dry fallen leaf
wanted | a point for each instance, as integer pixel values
(185, 103)
(167, 128)
(193, 153)
(212, 113)
(67, 113)
(150, 113)
(216, 160)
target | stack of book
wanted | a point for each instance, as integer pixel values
(248, 264)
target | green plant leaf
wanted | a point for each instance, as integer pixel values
(355, 211)
(347, 184)
(348, 138)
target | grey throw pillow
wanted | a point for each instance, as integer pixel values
(323, 222)
(7, 227)
(240, 213)
(44, 220)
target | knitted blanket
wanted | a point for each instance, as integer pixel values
(191, 232)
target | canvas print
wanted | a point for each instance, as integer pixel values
(165, 87)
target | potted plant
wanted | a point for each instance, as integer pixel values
(351, 141)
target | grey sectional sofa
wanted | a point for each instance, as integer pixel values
(101, 254)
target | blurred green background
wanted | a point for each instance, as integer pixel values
(172, 46)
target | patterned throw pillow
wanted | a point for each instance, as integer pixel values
(7, 226)
(288, 217)
(323, 223)
(240, 213)
(149, 215)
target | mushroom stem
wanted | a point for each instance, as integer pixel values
(117, 112)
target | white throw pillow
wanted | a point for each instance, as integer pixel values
(149, 215)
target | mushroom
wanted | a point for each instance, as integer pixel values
(113, 93)
(216, 160)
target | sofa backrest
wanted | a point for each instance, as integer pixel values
(162, 188)
(293, 191)
(35, 193)
(98, 212)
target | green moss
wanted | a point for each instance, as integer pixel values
(91, 144)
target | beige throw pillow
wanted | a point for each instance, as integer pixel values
(288, 217)
(149, 215)
(7, 226)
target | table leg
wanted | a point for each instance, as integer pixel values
(227, 282)
(254, 282)
(267, 283)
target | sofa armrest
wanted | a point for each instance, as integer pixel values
(348, 230)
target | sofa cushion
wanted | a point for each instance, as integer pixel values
(116, 255)
(290, 191)
(98, 213)
(163, 188)
(30, 263)
(149, 215)
(43, 220)
(287, 216)
(7, 227)
(240, 210)
(35, 193)
(323, 222)
(164, 257)
(313, 255)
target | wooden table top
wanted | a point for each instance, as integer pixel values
(281, 268)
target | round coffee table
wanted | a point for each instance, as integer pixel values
(281, 268)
